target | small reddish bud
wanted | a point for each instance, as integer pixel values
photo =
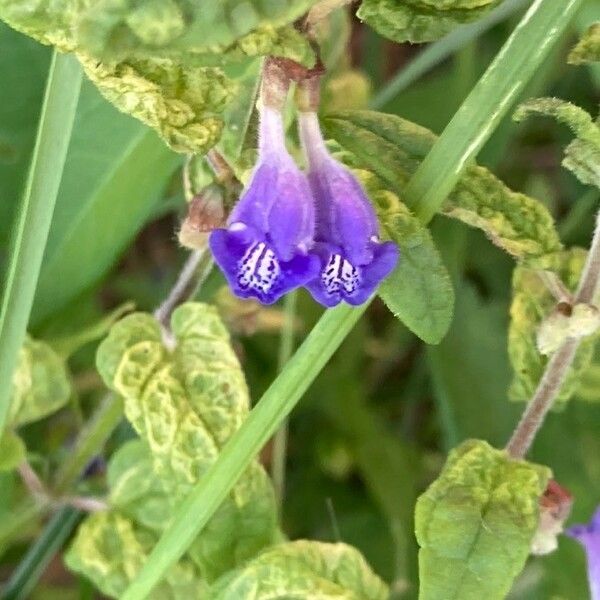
(205, 214)
(555, 508)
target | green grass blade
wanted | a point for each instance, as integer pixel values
(262, 422)
(39, 555)
(488, 102)
(37, 207)
(439, 51)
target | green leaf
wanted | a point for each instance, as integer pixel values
(418, 291)
(582, 156)
(420, 20)
(182, 103)
(185, 399)
(104, 199)
(41, 384)
(531, 304)
(588, 48)
(180, 28)
(158, 60)
(67, 344)
(303, 569)
(12, 451)
(110, 550)
(520, 225)
(475, 523)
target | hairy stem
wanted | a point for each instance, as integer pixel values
(591, 271)
(192, 275)
(89, 443)
(560, 363)
(538, 407)
(286, 347)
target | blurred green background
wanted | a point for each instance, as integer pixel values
(374, 429)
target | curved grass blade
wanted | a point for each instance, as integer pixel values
(37, 207)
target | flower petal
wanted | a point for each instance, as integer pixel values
(589, 536)
(253, 268)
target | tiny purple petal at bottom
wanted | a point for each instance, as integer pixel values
(589, 537)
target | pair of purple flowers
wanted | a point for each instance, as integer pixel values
(289, 229)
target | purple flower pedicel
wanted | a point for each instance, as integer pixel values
(589, 537)
(353, 260)
(264, 251)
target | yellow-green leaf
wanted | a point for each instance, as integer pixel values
(185, 396)
(419, 291)
(582, 155)
(12, 451)
(588, 48)
(110, 550)
(41, 383)
(475, 523)
(532, 303)
(303, 569)
(420, 20)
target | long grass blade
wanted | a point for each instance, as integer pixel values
(37, 207)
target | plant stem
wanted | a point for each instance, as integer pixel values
(35, 217)
(439, 51)
(559, 364)
(286, 347)
(588, 284)
(491, 98)
(99, 428)
(545, 394)
(106, 418)
(184, 287)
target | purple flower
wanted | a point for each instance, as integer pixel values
(353, 260)
(589, 537)
(264, 251)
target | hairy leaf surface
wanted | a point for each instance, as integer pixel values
(419, 291)
(160, 61)
(475, 523)
(582, 155)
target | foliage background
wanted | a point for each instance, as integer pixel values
(373, 430)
